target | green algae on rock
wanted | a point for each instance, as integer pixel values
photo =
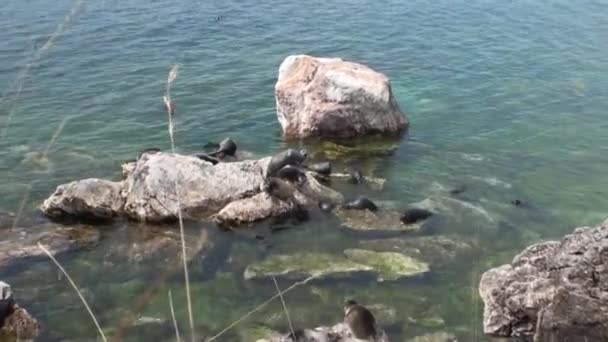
(302, 265)
(388, 265)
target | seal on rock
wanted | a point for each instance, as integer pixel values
(323, 168)
(207, 158)
(360, 320)
(361, 203)
(287, 157)
(414, 215)
(279, 189)
(292, 174)
(227, 147)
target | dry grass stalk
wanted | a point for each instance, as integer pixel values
(170, 107)
(103, 337)
(259, 307)
(276, 285)
(173, 317)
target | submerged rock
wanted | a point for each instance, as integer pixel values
(436, 250)
(385, 266)
(380, 221)
(91, 199)
(435, 337)
(19, 244)
(330, 97)
(339, 332)
(554, 291)
(388, 265)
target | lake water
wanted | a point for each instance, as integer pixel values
(507, 100)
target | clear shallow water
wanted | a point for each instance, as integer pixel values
(507, 99)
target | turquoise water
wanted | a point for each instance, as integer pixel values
(508, 99)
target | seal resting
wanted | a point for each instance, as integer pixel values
(356, 177)
(414, 215)
(279, 189)
(287, 157)
(361, 203)
(291, 174)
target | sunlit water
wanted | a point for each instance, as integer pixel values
(507, 99)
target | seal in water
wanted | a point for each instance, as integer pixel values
(227, 148)
(361, 203)
(355, 176)
(518, 203)
(326, 205)
(360, 320)
(291, 174)
(207, 158)
(278, 188)
(323, 168)
(287, 157)
(414, 215)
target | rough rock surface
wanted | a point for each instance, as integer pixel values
(16, 324)
(203, 188)
(386, 221)
(95, 199)
(331, 97)
(554, 291)
(339, 332)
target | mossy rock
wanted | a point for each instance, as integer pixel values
(256, 333)
(303, 265)
(388, 265)
(334, 151)
(381, 221)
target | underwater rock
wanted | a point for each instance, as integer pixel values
(330, 97)
(366, 221)
(19, 244)
(435, 337)
(554, 291)
(436, 250)
(16, 324)
(385, 266)
(339, 332)
(203, 188)
(388, 265)
(89, 199)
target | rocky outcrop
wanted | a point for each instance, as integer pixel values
(158, 184)
(554, 291)
(202, 188)
(16, 324)
(330, 97)
(92, 199)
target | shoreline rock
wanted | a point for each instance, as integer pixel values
(15, 322)
(552, 291)
(330, 97)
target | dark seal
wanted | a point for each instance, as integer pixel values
(414, 215)
(292, 174)
(287, 157)
(278, 188)
(361, 203)
(323, 168)
(227, 148)
(207, 158)
(360, 320)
